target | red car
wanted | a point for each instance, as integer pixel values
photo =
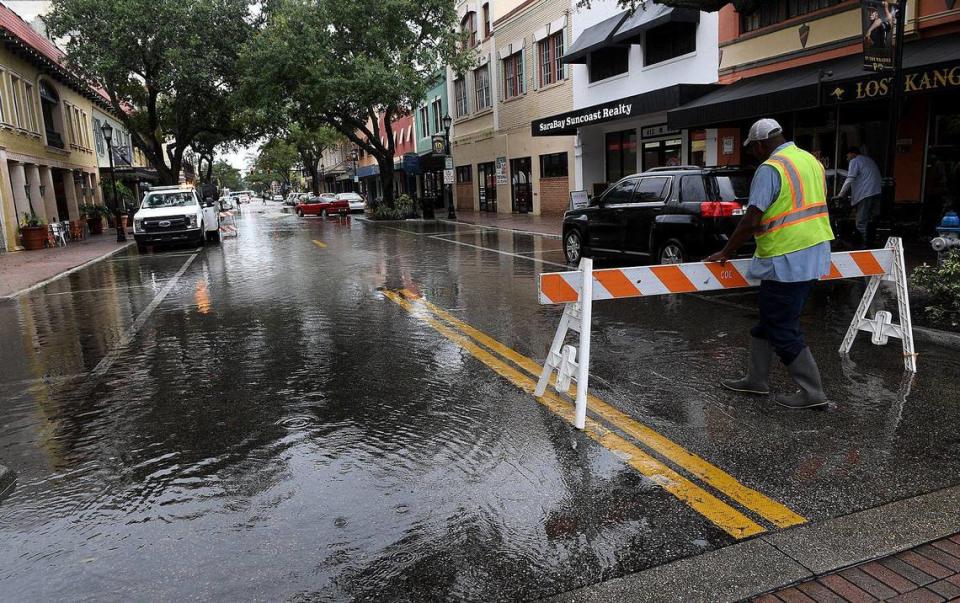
(324, 205)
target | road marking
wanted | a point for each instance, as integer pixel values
(514, 255)
(771, 510)
(104, 365)
(720, 513)
(320, 244)
(103, 289)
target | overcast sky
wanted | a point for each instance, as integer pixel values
(30, 9)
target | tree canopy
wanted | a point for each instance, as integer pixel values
(169, 68)
(227, 175)
(346, 64)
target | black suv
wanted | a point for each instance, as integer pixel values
(665, 215)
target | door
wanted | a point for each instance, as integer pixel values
(605, 224)
(520, 187)
(649, 199)
(63, 213)
(487, 180)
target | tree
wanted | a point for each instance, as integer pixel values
(168, 67)
(710, 6)
(277, 158)
(310, 144)
(346, 64)
(227, 175)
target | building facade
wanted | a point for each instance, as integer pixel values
(628, 70)
(802, 63)
(428, 122)
(518, 75)
(48, 162)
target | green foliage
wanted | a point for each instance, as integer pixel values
(345, 63)
(124, 194)
(942, 283)
(403, 209)
(31, 220)
(276, 159)
(168, 66)
(227, 175)
(92, 212)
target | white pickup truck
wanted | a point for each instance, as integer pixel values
(174, 214)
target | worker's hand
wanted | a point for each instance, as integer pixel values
(719, 256)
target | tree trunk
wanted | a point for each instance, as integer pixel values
(314, 179)
(386, 180)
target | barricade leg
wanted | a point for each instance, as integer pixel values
(880, 325)
(567, 359)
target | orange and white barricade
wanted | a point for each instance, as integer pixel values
(228, 224)
(578, 289)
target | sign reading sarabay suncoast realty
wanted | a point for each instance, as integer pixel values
(879, 19)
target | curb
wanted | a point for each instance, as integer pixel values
(7, 479)
(68, 272)
(771, 562)
(517, 230)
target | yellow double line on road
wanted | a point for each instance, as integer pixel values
(320, 244)
(734, 522)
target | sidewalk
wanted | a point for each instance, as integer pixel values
(550, 225)
(930, 572)
(20, 270)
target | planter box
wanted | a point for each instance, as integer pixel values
(33, 237)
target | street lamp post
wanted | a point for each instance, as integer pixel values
(323, 179)
(107, 130)
(448, 161)
(356, 178)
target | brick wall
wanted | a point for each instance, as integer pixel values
(554, 195)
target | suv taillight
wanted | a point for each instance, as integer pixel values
(720, 209)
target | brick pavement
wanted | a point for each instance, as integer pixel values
(22, 269)
(930, 572)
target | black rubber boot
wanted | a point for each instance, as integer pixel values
(805, 373)
(758, 370)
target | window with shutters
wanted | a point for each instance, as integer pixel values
(486, 21)
(424, 115)
(482, 85)
(608, 62)
(550, 51)
(437, 115)
(669, 41)
(468, 26)
(513, 75)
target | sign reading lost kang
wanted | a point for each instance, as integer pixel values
(868, 88)
(879, 18)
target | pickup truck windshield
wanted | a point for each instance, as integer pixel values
(174, 199)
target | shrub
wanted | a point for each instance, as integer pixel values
(942, 284)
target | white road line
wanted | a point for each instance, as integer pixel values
(516, 230)
(102, 289)
(515, 255)
(540, 251)
(104, 365)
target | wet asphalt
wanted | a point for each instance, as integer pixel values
(281, 417)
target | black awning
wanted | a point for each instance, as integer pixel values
(593, 38)
(655, 101)
(650, 15)
(799, 88)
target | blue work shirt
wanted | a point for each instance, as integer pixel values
(863, 178)
(803, 265)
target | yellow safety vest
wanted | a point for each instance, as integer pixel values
(798, 218)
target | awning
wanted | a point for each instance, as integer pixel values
(365, 171)
(930, 64)
(593, 38)
(655, 101)
(650, 15)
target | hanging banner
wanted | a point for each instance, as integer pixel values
(879, 19)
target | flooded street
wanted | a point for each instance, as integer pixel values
(335, 409)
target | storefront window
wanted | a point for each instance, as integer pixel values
(942, 191)
(621, 154)
(662, 153)
(553, 165)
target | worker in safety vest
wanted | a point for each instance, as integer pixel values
(788, 217)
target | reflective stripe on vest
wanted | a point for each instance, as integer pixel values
(798, 217)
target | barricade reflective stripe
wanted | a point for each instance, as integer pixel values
(646, 281)
(797, 193)
(792, 217)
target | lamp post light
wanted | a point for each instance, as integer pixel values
(448, 161)
(107, 130)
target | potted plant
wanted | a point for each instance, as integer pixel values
(33, 231)
(94, 215)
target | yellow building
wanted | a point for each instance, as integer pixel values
(48, 165)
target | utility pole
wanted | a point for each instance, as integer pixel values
(893, 121)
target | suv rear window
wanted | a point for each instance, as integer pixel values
(733, 187)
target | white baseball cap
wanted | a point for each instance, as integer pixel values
(762, 130)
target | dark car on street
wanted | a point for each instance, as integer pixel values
(664, 215)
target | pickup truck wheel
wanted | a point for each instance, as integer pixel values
(573, 246)
(324, 214)
(672, 252)
(202, 239)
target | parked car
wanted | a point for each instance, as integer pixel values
(664, 215)
(174, 214)
(294, 198)
(357, 203)
(278, 197)
(323, 205)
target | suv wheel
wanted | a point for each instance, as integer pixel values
(573, 246)
(672, 252)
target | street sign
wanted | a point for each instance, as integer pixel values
(501, 170)
(448, 163)
(448, 177)
(439, 144)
